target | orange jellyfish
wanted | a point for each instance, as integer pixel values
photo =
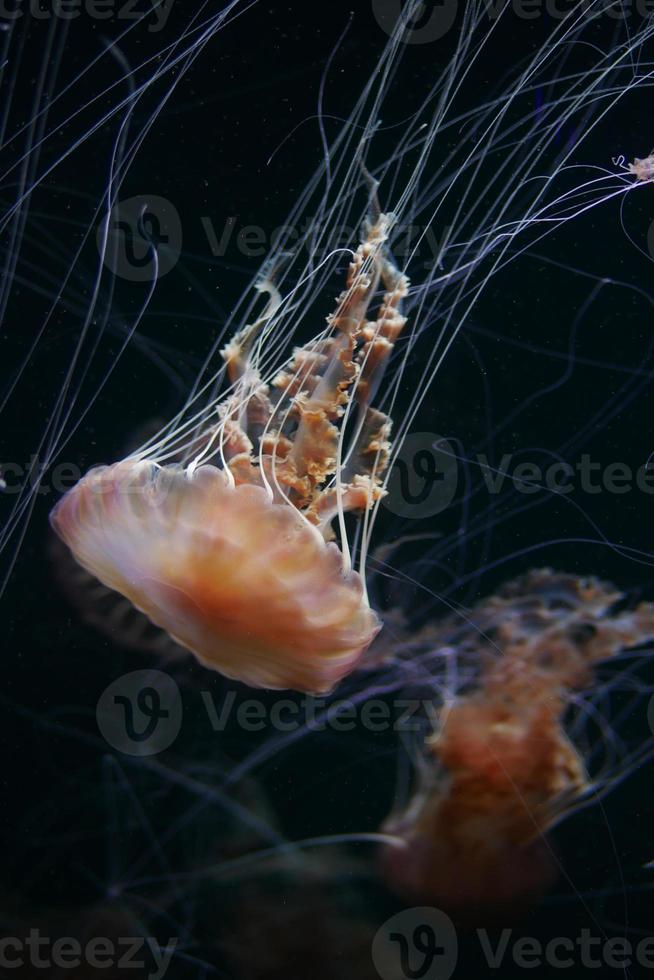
(500, 768)
(232, 552)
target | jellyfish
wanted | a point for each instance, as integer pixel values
(232, 554)
(255, 528)
(500, 769)
(230, 531)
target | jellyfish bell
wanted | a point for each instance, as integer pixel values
(244, 582)
(236, 561)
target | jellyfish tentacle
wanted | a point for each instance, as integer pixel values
(501, 768)
(207, 551)
(316, 441)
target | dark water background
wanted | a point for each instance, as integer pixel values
(75, 815)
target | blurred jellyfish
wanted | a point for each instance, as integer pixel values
(500, 769)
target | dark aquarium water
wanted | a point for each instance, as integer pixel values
(422, 747)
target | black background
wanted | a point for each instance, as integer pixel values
(239, 139)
